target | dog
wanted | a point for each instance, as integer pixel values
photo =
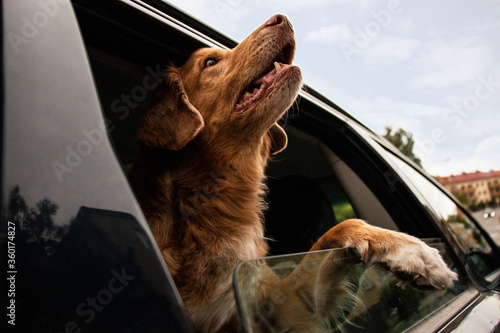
(199, 179)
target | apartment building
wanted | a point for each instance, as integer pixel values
(478, 187)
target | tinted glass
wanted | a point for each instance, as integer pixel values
(80, 255)
(455, 220)
(380, 304)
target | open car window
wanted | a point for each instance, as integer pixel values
(313, 185)
(310, 190)
(379, 305)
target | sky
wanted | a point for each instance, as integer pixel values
(429, 67)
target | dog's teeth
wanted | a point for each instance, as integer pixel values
(246, 94)
(277, 66)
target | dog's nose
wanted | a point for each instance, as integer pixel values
(275, 20)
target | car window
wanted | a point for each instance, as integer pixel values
(384, 307)
(380, 304)
(312, 185)
(302, 187)
(465, 231)
(310, 182)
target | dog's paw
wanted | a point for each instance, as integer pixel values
(418, 265)
(410, 259)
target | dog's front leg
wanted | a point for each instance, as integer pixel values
(410, 259)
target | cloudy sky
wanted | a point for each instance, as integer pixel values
(429, 67)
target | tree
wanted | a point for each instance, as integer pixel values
(35, 223)
(402, 140)
(462, 197)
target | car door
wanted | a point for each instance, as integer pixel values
(87, 137)
(76, 250)
(334, 159)
(329, 172)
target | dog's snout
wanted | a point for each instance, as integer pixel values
(275, 20)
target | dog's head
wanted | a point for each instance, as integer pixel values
(229, 98)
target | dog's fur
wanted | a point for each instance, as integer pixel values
(199, 180)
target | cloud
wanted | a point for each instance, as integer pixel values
(479, 157)
(373, 49)
(390, 51)
(403, 26)
(447, 63)
(485, 156)
(333, 34)
(381, 112)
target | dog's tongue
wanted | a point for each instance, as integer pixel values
(257, 88)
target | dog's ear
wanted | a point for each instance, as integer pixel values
(279, 139)
(172, 121)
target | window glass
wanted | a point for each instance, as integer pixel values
(382, 305)
(305, 281)
(455, 220)
(81, 258)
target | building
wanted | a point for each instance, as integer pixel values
(478, 187)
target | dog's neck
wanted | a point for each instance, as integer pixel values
(219, 195)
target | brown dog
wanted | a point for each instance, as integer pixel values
(199, 179)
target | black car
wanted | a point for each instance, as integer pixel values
(77, 253)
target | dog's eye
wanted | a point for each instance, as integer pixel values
(210, 62)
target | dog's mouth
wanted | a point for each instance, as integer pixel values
(260, 86)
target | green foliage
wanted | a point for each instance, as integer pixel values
(462, 197)
(403, 141)
(343, 211)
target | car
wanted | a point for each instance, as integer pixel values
(488, 214)
(77, 252)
